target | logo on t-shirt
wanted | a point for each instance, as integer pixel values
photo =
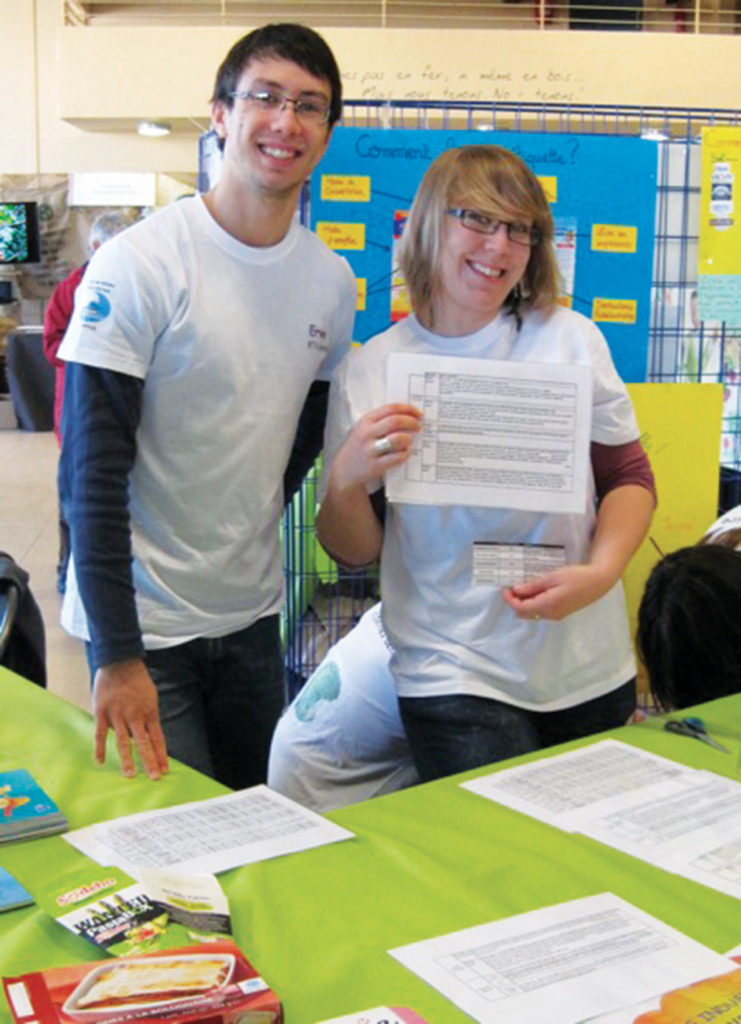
(96, 308)
(317, 338)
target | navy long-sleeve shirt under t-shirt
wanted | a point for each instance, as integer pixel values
(100, 417)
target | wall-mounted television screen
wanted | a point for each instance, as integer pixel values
(19, 233)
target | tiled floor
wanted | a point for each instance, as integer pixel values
(29, 532)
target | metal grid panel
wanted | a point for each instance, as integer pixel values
(324, 602)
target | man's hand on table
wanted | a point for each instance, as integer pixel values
(125, 700)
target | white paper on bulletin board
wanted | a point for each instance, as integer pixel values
(112, 189)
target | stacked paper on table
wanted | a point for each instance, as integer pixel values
(635, 802)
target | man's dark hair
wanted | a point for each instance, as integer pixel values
(287, 41)
(689, 626)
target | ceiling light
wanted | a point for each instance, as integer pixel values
(154, 129)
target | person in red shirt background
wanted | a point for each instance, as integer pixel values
(56, 318)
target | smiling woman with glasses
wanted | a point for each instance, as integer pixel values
(485, 672)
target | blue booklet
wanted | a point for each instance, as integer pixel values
(25, 809)
(12, 893)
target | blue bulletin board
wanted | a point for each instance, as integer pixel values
(603, 198)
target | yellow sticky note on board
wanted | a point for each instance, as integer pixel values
(614, 311)
(362, 284)
(346, 188)
(550, 187)
(614, 238)
(338, 235)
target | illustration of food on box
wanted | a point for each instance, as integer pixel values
(176, 986)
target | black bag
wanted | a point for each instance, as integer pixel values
(22, 636)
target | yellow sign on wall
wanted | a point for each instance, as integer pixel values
(338, 235)
(346, 188)
(720, 213)
(614, 238)
(550, 187)
(719, 250)
(614, 311)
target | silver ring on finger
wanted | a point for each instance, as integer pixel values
(383, 445)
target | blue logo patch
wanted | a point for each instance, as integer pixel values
(324, 685)
(96, 309)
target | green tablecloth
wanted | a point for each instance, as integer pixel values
(317, 924)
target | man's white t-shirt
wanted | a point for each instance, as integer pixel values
(228, 339)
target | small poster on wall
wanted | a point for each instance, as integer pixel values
(719, 266)
(112, 189)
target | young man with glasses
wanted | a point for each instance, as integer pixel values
(191, 354)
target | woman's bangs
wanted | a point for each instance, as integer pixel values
(496, 195)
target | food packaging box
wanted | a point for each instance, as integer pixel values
(213, 982)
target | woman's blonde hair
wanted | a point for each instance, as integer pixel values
(495, 182)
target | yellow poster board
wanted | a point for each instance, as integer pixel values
(719, 249)
(680, 430)
(720, 226)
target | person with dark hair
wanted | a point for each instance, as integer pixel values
(295, 43)
(689, 627)
(484, 672)
(203, 336)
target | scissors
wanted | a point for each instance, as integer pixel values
(695, 728)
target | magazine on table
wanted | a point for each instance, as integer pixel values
(163, 910)
(26, 811)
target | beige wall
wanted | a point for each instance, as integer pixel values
(79, 110)
(18, 126)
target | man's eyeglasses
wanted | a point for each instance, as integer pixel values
(308, 108)
(522, 234)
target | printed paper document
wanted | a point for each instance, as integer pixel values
(208, 835)
(495, 434)
(581, 958)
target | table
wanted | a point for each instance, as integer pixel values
(317, 925)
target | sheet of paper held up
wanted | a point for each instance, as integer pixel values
(681, 819)
(208, 835)
(580, 958)
(495, 434)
